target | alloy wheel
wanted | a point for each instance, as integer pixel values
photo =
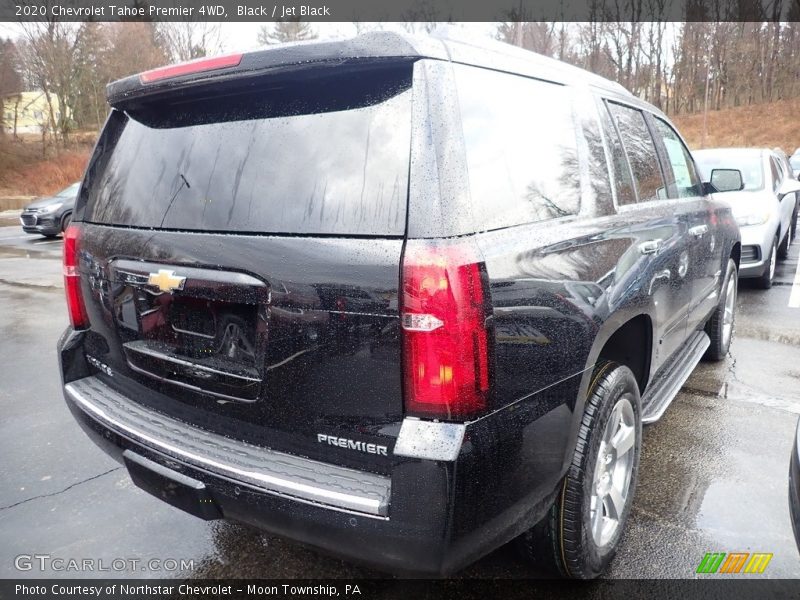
(613, 471)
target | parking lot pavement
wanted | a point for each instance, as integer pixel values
(713, 476)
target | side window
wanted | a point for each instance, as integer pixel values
(521, 148)
(641, 152)
(684, 181)
(781, 167)
(775, 171)
(623, 183)
(598, 172)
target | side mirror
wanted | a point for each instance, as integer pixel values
(727, 180)
(788, 186)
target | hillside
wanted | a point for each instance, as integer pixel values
(765, 125)
(24, 172)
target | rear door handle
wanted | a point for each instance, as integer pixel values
(699, 230)
(650, 246)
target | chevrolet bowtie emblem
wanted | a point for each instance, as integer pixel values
(166, 281)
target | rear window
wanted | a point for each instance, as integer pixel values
(316, 155)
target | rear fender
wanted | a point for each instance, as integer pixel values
(606, 330)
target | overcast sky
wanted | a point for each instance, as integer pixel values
(244, 36)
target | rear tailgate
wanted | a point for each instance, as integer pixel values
(240, 260)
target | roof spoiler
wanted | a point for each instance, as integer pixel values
(372, 47)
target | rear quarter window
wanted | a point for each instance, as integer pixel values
(520, 139)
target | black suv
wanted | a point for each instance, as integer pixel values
(404, 300)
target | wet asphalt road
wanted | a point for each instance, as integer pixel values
(713, 475)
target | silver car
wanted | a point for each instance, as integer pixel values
(794, 161)
(764, 199)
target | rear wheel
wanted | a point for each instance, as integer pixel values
(579, 535)
(765, 281)
(719, 326)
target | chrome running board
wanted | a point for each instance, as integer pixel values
(663, 389)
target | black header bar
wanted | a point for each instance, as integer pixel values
(397, 10)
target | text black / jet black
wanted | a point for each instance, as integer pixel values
(402, 299)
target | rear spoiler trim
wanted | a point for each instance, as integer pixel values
(130, 91)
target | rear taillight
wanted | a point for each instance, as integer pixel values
(445, 341)
(72, 280)
(193, 66)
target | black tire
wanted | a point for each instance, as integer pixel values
(765, 280)
(562, 543)
(715, 326)
(65, 221)
(783, 251)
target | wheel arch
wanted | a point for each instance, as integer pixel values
(67, 215)
(627, 339)
(736, 253)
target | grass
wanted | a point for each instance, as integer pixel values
(24, 172)
(776, 124)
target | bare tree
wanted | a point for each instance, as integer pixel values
(110, 51)
(423, 17)
(10, 79)
(541, 37)
(49, 54)
(190, 39)
(282, 32)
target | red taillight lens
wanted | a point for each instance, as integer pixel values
(72, 280)
(193, 66)
(445, 342)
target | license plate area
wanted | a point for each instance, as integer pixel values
(207, 332)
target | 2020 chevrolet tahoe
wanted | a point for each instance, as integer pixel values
(401, 299)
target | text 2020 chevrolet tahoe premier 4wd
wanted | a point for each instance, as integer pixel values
(402, 299)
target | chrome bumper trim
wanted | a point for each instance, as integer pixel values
(431, 440)
(297, 478)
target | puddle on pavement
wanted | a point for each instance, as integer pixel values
(241, 551)
(728, 513)
(35, 253)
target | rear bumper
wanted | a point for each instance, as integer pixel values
(428, 513)
(304, 500)
(330, 486)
